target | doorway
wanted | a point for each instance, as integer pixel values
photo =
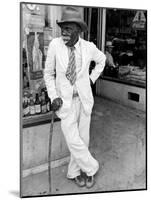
(93, 18)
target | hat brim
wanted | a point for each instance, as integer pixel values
(81, 23)
(109, 46)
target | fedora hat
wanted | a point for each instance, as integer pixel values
(72, 14)
(109, 44)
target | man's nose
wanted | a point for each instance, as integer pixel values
(64, 32)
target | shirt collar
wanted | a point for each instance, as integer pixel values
(77, 45)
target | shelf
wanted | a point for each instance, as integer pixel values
(124, 81)
(38, 119)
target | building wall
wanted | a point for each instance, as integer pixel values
(35, 145)
(119, 92)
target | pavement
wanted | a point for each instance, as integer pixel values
(117, 141)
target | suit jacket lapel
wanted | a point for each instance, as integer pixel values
(63, 55)
(83, 52)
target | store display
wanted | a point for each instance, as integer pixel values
(48, 102)
(25, 106)
(43, 103)
(37, 55)
(25, 71)
(124, 70)
(37, 36)
(129, 45)
(35, 104)
(35, 45)
(132, 73)
(111, 71)
(32, 105)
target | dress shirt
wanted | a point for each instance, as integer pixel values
(78, 59)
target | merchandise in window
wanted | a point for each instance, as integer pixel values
(126, 46)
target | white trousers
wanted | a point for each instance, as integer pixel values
(75, 128)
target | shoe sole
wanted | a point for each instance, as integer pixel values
(79, 184)
(90, 186)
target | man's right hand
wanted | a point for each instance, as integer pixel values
(56, 104)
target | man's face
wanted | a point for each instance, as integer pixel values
(70, 33)
(109, 49)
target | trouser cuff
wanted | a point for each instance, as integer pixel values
(73, 175)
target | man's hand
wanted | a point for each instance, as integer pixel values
(56, 104)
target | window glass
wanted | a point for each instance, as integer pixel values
(126, 45)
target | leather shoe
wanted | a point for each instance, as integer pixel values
(79, 180)
(89, 181)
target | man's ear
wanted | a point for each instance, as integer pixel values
(79, 28)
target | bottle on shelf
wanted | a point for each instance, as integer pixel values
(43, 103)
(37, 104)
(25, 106)
(32, 105)
(48, 102)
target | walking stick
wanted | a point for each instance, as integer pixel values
(49, 150)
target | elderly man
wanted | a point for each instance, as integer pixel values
(68, 84)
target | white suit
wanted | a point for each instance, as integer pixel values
(74, 113)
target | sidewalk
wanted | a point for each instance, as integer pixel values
(117, 141)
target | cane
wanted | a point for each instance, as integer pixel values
(54, 108)
(49, 150)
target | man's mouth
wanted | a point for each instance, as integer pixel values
(65, 38)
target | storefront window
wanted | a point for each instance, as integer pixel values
(126, 46)
(38, 29)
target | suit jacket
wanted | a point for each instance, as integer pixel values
(55, 69)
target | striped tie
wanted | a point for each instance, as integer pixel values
(71, 70)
